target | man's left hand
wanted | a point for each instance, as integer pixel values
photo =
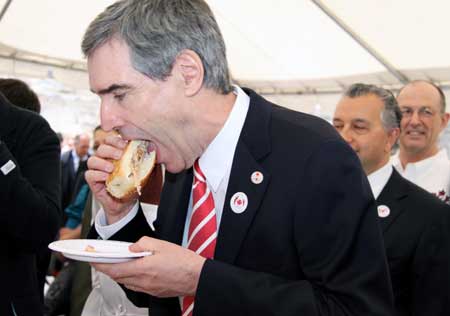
(170, 271)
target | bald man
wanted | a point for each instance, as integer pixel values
(420, 159)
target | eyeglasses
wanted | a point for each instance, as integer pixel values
(424, 112)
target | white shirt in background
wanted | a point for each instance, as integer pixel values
(76, 160)
(431, 174)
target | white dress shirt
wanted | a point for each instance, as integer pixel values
(76, 160)
(215, 163)
(217, 159)
(431, 174)
(379, 178)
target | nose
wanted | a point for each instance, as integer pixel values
(346, 134)
(415, 118)
(108, 116)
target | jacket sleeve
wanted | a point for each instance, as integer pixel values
(340, 252)
(30, 192)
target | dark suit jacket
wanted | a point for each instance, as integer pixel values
(71, 180)
(416, 236)
(29, 205)
(309, 242)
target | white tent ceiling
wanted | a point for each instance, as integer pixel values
(274, 46)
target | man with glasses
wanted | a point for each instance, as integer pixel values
(423, 118)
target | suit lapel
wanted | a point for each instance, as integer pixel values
(252, 147)
(391, 196)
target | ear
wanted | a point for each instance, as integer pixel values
(445, 118)
(392, 139)
(190, 67)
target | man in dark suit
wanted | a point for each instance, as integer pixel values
(416, 225)
(73, 166)
(20, 94)
(279, 219)
(30, 205)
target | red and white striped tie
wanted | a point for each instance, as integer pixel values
(202, 232)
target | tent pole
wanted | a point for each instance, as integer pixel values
(4, 9)
(396, 73)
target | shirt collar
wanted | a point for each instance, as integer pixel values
(379, 178)
(218, 156)
(423, 164)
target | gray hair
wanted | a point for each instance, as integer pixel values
(391, 115)
(156, 31)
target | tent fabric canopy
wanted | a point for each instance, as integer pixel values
(286, 46)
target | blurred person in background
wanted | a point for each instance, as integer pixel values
(61, 140)
(420, 159)
(30, 205)
(20, 94)
(73, 166)
(415, 224)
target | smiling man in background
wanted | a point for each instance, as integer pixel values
(423, 119)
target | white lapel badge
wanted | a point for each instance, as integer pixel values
(257, 177)
(8, 167)
(383, 211)
(239, 202)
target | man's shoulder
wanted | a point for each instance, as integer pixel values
(65, 156)
(32, 130)
(288, 119)
(415, 198)
(305, 127)
(289, 130)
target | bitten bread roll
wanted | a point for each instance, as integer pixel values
(132, 171)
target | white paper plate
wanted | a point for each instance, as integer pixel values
(106, 251)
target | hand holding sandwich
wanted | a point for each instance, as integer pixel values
(100, 167)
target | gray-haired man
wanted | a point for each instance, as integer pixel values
(259, 232)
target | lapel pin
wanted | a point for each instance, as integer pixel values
(257, 177)
(383, 211)
(239, 202)
(8, 167)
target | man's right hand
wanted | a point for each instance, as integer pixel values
(100, 167)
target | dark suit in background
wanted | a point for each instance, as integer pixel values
(309, 242)
(417, 241)
(29, 205)
(71, 179)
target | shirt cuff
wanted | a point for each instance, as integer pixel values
(104, 230)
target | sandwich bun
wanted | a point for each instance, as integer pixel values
(132, 171)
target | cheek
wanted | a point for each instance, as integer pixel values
(403, 124)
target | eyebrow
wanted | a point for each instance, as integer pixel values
(112, 88)
(360, 121)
